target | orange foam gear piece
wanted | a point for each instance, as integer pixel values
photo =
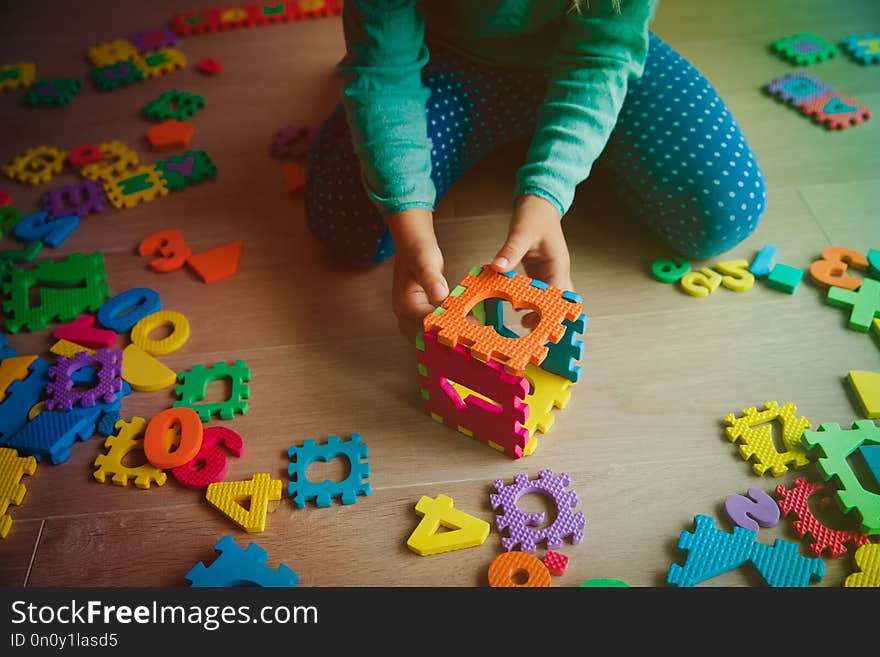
(509, 564)
(261, 489)
(216, 264)
(187, 423)
(170, 134)
(452, 327)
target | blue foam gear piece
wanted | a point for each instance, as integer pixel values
(20, 397)
(764, 261)
(6, 349)
(52, 433)
(574, 297)
(302, 490)
(871, 454)
(143, 300)
(781, 565)
(237, 567)
(41, 226)
(541, 285)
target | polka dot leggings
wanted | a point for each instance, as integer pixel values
(676, 154)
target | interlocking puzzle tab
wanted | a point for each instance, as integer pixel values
(302, 490)
(194, 386)
(464, 530)
(868, 560)
(237, 567)
(126, 441)
(755, 433)
(21, 395)
(864, 48)
(12, 491)
(226, 497)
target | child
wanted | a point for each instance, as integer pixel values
(581, 77)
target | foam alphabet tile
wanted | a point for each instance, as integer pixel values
(755, 434)
(53, 433)
(124, 442)
(170, 245)
(117, 159)
(261, 489)
(121, 74)
(123, 311)
(736, 275)
(209, 66)
(670, 271)
(700, 283)
(874, 263)
(52, 93)
(105, 54)
(175, 104)
(150, 40)
(302, 490)
(831, 268)
(36, 166)
(209, 465)
(464, 530)
(864, 48)
(143, 185)
(194, 387)
(804, 49)
(80, 156)
(51, 232)
(836, 111)
(752, 512)
(80, 199)
(186, 424)
(864, 304)
(12, 469)
(162, 61)
(797, 89)
(868, 563)
(237, 567)
(21, 395)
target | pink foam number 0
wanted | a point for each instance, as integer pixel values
(209, 465)
(761, 510)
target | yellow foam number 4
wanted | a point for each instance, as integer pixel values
(227, 497)
(465, 530)
(701, 283)
(737, 276)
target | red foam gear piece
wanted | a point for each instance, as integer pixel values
(836, 111)
(797, 499)
(480, 419)
(209, 465)
(85, 154)
(209, 66)
(82, 331)
(556, 563)
(5, 199)
(452, 326)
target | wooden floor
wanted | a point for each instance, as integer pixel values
(642, 437)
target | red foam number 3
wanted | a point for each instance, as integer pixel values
(209, 465)
(170, 246)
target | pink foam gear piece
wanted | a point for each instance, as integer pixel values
(556, 563)
(209, 465)
(761, 510)
(82, 331)
(108, 369)
(483, 420)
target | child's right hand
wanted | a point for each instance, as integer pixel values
(419, 284)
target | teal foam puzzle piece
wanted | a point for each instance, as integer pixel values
(711, 552)
(237, 567)
(864, 303)
(874, 263)
(781, 565)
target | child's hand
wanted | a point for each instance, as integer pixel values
(535, 238)
(419, 284)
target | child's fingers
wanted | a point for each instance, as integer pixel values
(510, 255)
(410, 301)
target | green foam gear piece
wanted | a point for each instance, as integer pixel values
(163, 107)
(52, 93)
(194, 386)
(670, 271)
(836, 445)
(81, 287)
(804, 49)
(185, 169)
(865, 303)
(121, 74)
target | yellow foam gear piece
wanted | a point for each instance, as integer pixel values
(36, 409)
(12, 468)
(866, 386)
(26, 74)
(549, 391)
(465, 530)
(755, 433)
(162, 61)
(867, 559)
(142, 185)
(700, 283)
(261, 489)
(118, 159)
(128, 438)
(143, 372)
(140, 332)
(736, 275)
(37, 165)
(13, 369)
(68, 349)
(110, 52)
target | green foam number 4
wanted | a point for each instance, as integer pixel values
(865, 303)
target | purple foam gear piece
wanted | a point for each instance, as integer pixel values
(80, 199)
(60, 392)
(521, 526)
(761, 510)
(150, 40)
(797, 89)
(291, 142)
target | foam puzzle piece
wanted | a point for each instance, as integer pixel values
(209, 465)
(785, 278)
(670, 271)
(53, 433)
(797, 499)
(473, 415)
(111, 52)
(549, 391)
(80, 199)
(209, 20)
(143, 372)
(508, 565)
(63, 303)
(871, 455)
(150, 40)
(69, 349)
(9, 258)
(80, 156)
(237, 567)
(736, 275)
(834, 445)
(451, 326)
(82, 331)
(868, 561)
(52, 92)
(831, 268)
(127, 440)
(194, 386)
(754, 431)
(117, 159)
(750, 512)
(556, 563)
(864, 304)
(294, 176)
(524, 528)
(186, 169)
(21, 395)
(763, 263)
(36, 166)
(464, 530)
(836, 111)
(781, 565)
(40, 226)
(108, 411)
(121, 74)
(140, 332)
(186, 424)
(170, 245)
(6, 351)
(17, 76)
(797, 89)
(209, 66)
(804, 49)
(261, 489)
(170, 134)
(123, 311)
(603, 582)
(12, 468)
(173, 104)
(866, 386)
(61, 395)
(143, 185)
(864, 48)
(9, 218)
(165, 60)
(700, 283)
(13, 368)
(291, 142)
(216, 264)
(303, 490)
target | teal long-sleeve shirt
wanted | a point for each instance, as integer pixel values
(591, 52)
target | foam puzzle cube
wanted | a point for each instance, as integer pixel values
(478, 377)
